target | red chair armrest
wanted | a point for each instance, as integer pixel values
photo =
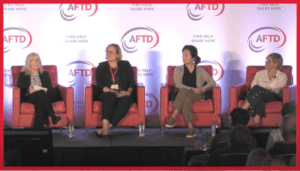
(286, 93)
(164, 99)
(236, 93)
(12, 101)
(67, 94)
(216, 93)
(88, 103)
(141, 101)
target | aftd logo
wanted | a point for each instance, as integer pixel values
(139, 37)
(79, 71)
(16, 38)
(151, 103)
(70, 11)
(262, 37)
(198, 11)
(218, 71)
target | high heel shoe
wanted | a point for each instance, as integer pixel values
(101, 135)
(105, 136)
(98, 135)
(55, 120)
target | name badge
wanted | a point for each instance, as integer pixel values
(114, 87)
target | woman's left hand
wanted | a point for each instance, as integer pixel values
(197, 90)
(122, 94)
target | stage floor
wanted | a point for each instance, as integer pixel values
(125, 147)
(125, 137)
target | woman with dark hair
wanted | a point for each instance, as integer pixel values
(266, 86)
(115, 81)
(189, 79)
(36, 88)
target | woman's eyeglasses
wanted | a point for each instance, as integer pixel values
(268, 61)
(34, 61)
(110, 52)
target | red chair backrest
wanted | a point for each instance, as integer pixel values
(94, 75)
(51, 69)
(252, 70)
(170, 73)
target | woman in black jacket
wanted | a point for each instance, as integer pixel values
(115, 81)
(36, 88)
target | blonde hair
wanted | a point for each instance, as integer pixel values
(277, 58)
(118, 50)
(26, 67)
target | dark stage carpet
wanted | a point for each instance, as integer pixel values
(124, 147)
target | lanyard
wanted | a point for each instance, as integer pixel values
(113, 74)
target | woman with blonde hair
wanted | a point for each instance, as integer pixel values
(116, 85)
(266, 86)
(36, 88)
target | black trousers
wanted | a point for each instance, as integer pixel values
(43, 107)
(113, 108)
(257, 97)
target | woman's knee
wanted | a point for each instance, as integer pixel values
(128, 99)
(256, 88)
(183, 91)
(187, 101)
(38, 103)
(109, 100)
(108, 95)
(41, 94)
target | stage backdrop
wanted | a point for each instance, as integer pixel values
(74, 37)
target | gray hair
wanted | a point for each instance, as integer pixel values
(118, 49)
(258, 157)
(26, 67)
(277, 58)
(288, 126)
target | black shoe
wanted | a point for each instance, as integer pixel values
(101, 135)
(98, 135)
(55, 120)
(105, 136)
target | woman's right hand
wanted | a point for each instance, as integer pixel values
(106, 89)
(31, 90)
(197, 90)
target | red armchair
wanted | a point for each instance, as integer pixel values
(205, 112)
(93, 109)
(21, 115)
(272, 109)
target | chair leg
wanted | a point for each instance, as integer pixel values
(87, 131)
(162, 131)
(71, 130)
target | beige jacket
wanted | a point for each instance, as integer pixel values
(201, 77)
